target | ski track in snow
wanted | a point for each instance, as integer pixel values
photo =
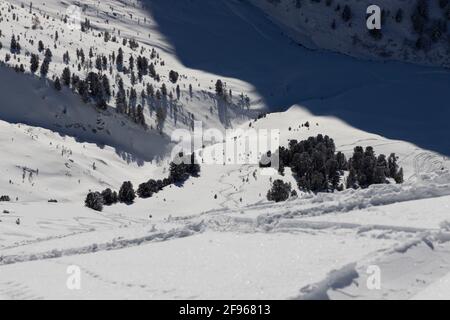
(13, 290)
(290, 217)
(231, 188)
(115, 244)
(335, 285)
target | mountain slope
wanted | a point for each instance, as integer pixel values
(123, 25)
(412, 30)
(216, 236)
(393, 99)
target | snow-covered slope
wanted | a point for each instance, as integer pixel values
(238, 229)
(412, 30)
(34, 102)
(216, 236)
(123, 21)
(385, 98)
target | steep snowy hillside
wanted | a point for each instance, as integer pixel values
(411, 30)
(35, 102)
(144, 67)
(235, 231)
(215, 235)
(385, 98)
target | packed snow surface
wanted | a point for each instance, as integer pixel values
(217, 236)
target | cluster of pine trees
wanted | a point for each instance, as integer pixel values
(315, 163)
(15, 47)
(96, 88)
(430, 29)
(427, 28)
(116, 67)
(181, 169)
(317, 167)
(367, 169)
(5, 198)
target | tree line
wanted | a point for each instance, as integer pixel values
(180, 170)
(317, 167)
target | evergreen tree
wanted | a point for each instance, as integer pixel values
(126, 193)
(183, 167)
(119, 60)
(121, 100)
(66, 57)
(131, 63)
(147, 189)
(399, 176)
(106, 86)
(82, 56)
(178, 90)
(133, 98)
(109, 197)
(45, 67)
(98, 63)
(94, 201)
(346, 13)
(34, 63)
(173, 76)
(219, 88)
(140, 118)
(40, 46)
(280, 191)
(351, 180)
(14, 46)
(395, 172)
(48, 54)
(381, 170)
(57, 84)
(152, 71)
(314, 163)
(83, 90)
(164, 90)
(66, 77)
(341, 161)
(150, 90)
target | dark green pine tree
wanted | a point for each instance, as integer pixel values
(279, 192)
(94, 201)
(126, 193)
(351, 180)
(57, 84)
(34, 63)
(66, 76)
(219, 88)
(140, 118)
(45, 67)
(119, 60)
